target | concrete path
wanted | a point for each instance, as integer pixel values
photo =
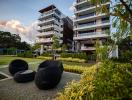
(10, 90)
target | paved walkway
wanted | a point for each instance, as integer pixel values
(10, 90)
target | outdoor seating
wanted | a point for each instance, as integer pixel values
(17, 65)
(51, 63)
(24, 76)
(47, 78)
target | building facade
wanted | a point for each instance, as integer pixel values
(52, 22)
(89, 26)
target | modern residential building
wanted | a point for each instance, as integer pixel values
(53, 22)
(89, 26)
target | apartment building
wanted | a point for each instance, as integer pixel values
(89, 26)
(53, 22)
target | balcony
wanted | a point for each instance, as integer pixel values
(84, 7)
(88, 17)
(87, 24)
(46, 21)
(88, 8)
(87, 34)
(47, 27)
(50, 33)
(90, 35)
(84, 48)
(91, 26)
(80, 2)
(44, 40)
(45, 34)
(45, 15)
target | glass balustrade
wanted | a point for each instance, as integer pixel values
(85, 16)
(79, 1)
(88, 24)
(87, 34)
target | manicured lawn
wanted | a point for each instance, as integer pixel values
(4, 60)
(74, 67)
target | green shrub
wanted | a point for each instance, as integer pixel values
(124, 57)
(20, 54)
(79, 90)
(112, 82)
(75, 68)
(46, 54)
(27, 54)
(69, 59)
(75, 55)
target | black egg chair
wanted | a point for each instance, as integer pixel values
(51, 63)
(47, 78)
(24, 76)
(17, 65)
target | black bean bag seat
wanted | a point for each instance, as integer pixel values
(17, 65)
(51, 63)
(24, 76)
(47, 78)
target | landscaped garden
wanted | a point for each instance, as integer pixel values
(28, 90)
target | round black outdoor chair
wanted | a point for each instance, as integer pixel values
(17, 65)
(47, 78)
(51, 63)
(24, 76)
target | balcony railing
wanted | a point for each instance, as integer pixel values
(50, 33)
(91, 26)
(87, 48)
(88, 15)
(87, 8)
(84, 7)
(78, 1)
(45, 40)
(47, 26)
(88, 24)
(44, 15)
(45, 21)
(105, 21)
(46, 33)
(90, 35)
(86, 34)
(91, 16)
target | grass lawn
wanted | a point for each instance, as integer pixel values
(4, 60)
(34, 63)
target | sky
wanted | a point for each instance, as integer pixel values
(20, 16)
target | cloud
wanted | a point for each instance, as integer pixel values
(27, 33)
(72, 7)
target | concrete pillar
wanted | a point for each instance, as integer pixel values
(42, 49)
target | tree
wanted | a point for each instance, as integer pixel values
(23, 46)
(36, 46)
(64, 47)
(56, 43)
(122, 12)
(9, 40)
